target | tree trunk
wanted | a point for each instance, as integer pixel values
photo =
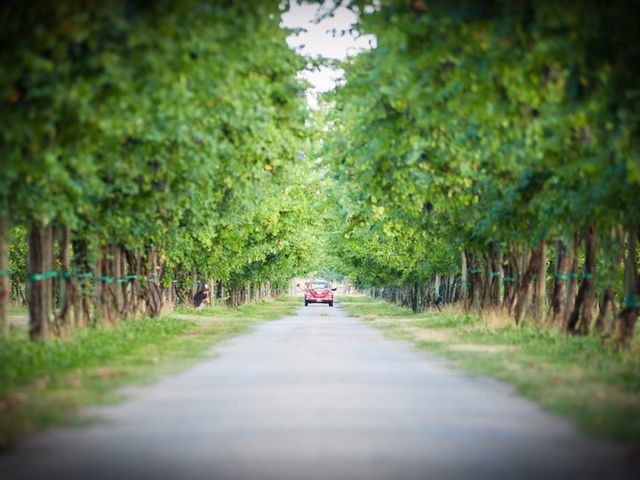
(629, 314)
(39, 281)
(132, 285)
(119, 285)
(607, 308)
(580, 319)
(525, 281)
(463, 276)
(194, 286)
(68, 290)
(474, 283)
(485, 281)
(495, 275)
(4, 275)
(50, 283)
(82, 304)
(539, 289)
(153, 289)
(127, 284)
(104, 285)
(606, 302)
(510, 279)
(414, 297)
(573, 276)
(561, 275)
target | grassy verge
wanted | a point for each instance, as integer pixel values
(18, 311)
(577, 377)
(44, 384)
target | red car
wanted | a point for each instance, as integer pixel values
(318, 291)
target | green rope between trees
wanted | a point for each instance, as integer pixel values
(631, 300)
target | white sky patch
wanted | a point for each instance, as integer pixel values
(330, 39)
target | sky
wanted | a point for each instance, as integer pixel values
(318, 40)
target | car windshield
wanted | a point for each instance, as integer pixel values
(318, 285)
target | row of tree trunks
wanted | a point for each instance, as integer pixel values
(245, 293)
(573, 296)
(441, 289)
(61, 300)
(66, 288)
(517, 281)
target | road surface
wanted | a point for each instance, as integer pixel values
(324, 396)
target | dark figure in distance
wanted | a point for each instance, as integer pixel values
(201, 298)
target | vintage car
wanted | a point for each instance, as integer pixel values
(318, 291)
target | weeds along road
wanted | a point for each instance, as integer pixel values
(318, 395)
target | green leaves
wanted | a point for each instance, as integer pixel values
(471, 126)
(172, 125)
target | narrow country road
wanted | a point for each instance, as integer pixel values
(324, 396)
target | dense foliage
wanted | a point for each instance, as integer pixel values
(480, 136)
(146, 148)
(484, 152)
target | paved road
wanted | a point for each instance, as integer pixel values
(318, 396)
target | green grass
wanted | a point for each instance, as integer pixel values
(44, 384)
(255, 311)
(578, 377)
(18, 311)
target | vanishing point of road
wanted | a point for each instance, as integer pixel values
(319, 396)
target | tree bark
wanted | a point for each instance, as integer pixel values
(68, 290)
(606, 302)
(540, 282)
(581, 316)
(5, 289)
(495, 275)
(510, 279)
(105, 275)
(474, 283)
(50, 283)
(485, 280)
(604, 325)
(39, 286)
(82, 304)
(558, 299)
(463, 276)
(573, 280)
(525, 280)
(153, 289)
(414, 297)
(134, 267)
(629, 314)
(119, 285)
